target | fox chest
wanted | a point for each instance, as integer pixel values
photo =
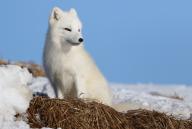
(65, 65)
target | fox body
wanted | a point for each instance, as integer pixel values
(70, 69)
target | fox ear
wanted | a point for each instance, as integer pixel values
(73, 12)
(55, 14)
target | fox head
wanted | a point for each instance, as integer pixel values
(66, 26)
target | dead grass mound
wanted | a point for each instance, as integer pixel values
(35, 69)
(82, 114)
(3, 62)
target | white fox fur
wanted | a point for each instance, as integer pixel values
(68, 66)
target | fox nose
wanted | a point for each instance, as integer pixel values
(80, 40)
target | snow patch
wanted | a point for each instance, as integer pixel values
(15, 95)
(141, 95)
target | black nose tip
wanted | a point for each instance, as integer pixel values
(80, 40)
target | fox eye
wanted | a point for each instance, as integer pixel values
(79, 30)
(67, 29)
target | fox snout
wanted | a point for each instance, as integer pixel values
(80, 40)
(75, 41)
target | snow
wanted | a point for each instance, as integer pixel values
(14, 95)
(17, 85)
(141, 95)
(41, 84)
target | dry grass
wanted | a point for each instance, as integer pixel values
(35, 69)
(2, 62)
(175, 96)
(80, 114)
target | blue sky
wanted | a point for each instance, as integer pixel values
(131, 41)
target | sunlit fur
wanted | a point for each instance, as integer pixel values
(68, 66)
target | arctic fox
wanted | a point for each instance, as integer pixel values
(70, 69)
